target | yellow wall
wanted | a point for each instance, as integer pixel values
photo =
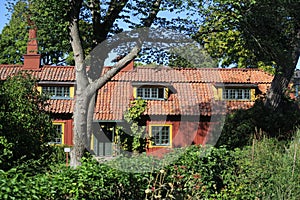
(218, 93)
(39, 88)
(252, 94)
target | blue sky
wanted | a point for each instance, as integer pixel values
(4, 20)
(3, 12)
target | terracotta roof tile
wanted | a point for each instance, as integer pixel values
(46, 73)
(57, 73)
(193, 95)
(8, 70)
(209, 75)
(60, 106)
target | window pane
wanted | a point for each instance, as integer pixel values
(140, 92)
(56, 91)
(155, 135)
(150, 93)
(161, 135)
(66, 92)
(58, 133)
(147, 92)
(247, 94)
(232, 94)
(240, 94)
(59, 91)
(154, 93)
(236, 94)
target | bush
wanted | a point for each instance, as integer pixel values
(24, 122)
(269, 169)
(243, 125)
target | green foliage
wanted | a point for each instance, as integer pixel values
(252, 33)
(268, 169)
(5, 150)
(191, 56)
(51, 20)
(133, 139)
(14, 36)
(25, 125)
(243, 125)
(199, 173)
(53, 42)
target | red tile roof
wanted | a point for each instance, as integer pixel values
(46, 73)
(203, 75)
(61, 106)
(193, 96)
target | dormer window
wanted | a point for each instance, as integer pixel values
(57, 92)
(151, 93)
(236, 94)
(240, 92)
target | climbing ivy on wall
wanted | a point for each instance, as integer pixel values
(132, 134)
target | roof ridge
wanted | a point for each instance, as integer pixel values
(59, 66)
(205, 69)
(11, 65)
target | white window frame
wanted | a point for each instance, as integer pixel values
(160, 138)
(151, 93)
(57, 92)
(237, 93)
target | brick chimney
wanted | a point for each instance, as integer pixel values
(129, 67)
(32, 60)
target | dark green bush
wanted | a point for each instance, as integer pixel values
(243, 125)
(24, 123)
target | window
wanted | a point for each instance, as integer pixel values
(57, 92)
(161, 135)
(59, 133)
(237, 94)
(152, 93)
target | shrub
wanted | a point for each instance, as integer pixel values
(243, 125)
(269, 169)
(23, 120)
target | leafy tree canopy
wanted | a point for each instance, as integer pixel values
(249, 33)
(98, 21)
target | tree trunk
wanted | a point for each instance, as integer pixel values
(277, 90)
(281, 81)
(90, 117)
(79, 129)
(87, 85)
(79, 115)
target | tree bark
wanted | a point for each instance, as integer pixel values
(80, 107)
(287, 62)
(87, 85)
